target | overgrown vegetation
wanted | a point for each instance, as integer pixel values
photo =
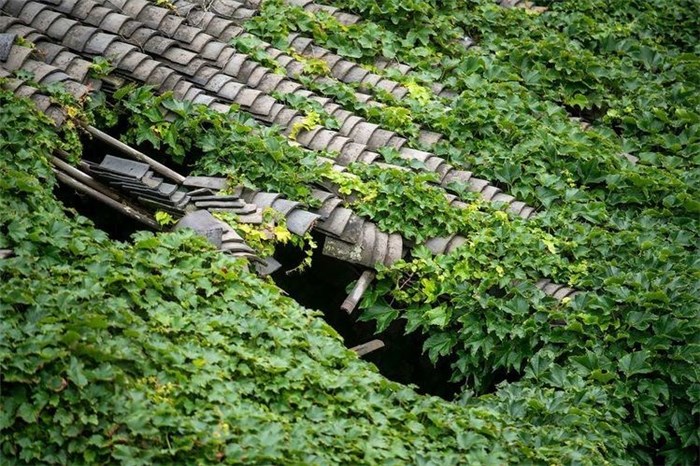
(629, 232)
(609, 375)
(162, 351)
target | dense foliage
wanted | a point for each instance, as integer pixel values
(162, 351)
(628, 231)
(610, 375)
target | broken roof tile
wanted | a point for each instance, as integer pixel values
(210, 182)
(124, 167)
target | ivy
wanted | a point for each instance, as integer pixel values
(623, 227)
(161, 350)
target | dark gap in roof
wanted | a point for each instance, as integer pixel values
(118, 226)
(323, 285)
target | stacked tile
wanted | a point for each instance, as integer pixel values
(193, 208)
(42, 101)
(201, 37)
(355, 128)
(74, 71)
(140, 182)
(298, 220)
(348, 236)
(363, 133)
(141, 67)
(239, 11)
(350, 19)
(353, 239)
(90, 41)
(555, 290)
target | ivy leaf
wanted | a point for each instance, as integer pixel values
(635, 363)
(382, 313)
(439, 316)
(580, 100)
(439, 344)
(75, 372)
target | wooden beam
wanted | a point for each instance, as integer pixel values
(126, 210)
(358, 291)
(133, 153)
(84, 178)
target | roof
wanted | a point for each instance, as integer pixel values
(187, 54)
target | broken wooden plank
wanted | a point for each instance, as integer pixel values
(358, 291)
(126, 210)
(366, 348)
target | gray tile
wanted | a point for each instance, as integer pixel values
(124, 167)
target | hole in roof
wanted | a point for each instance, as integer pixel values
(323, 285)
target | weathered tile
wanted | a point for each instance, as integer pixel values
(516, 206)
(99, 43)
(489, 192)
(246, 97)
(356, 74)
(337, 221)
(477, 184)
(300, 221)
(233, 67)
(170, 24)
(212, 50)
(78, 37)
(387, 85)
(342, 68)
(179, 56)
(433, 164)
(350, 153)
(209, 182)
(6, 42)
(305, 136)
(204, 224)
(438, 245)
(262, 199)
(124, 167)
(44, 19)
(380, 138)
(321, 140)
(256, 76)
(157, 45)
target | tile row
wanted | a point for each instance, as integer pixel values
(19, 59)
(212, 21)
(312, 7)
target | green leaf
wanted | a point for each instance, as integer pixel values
(439, 344)
(382, 313)
(635, 363)
(75, 372)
